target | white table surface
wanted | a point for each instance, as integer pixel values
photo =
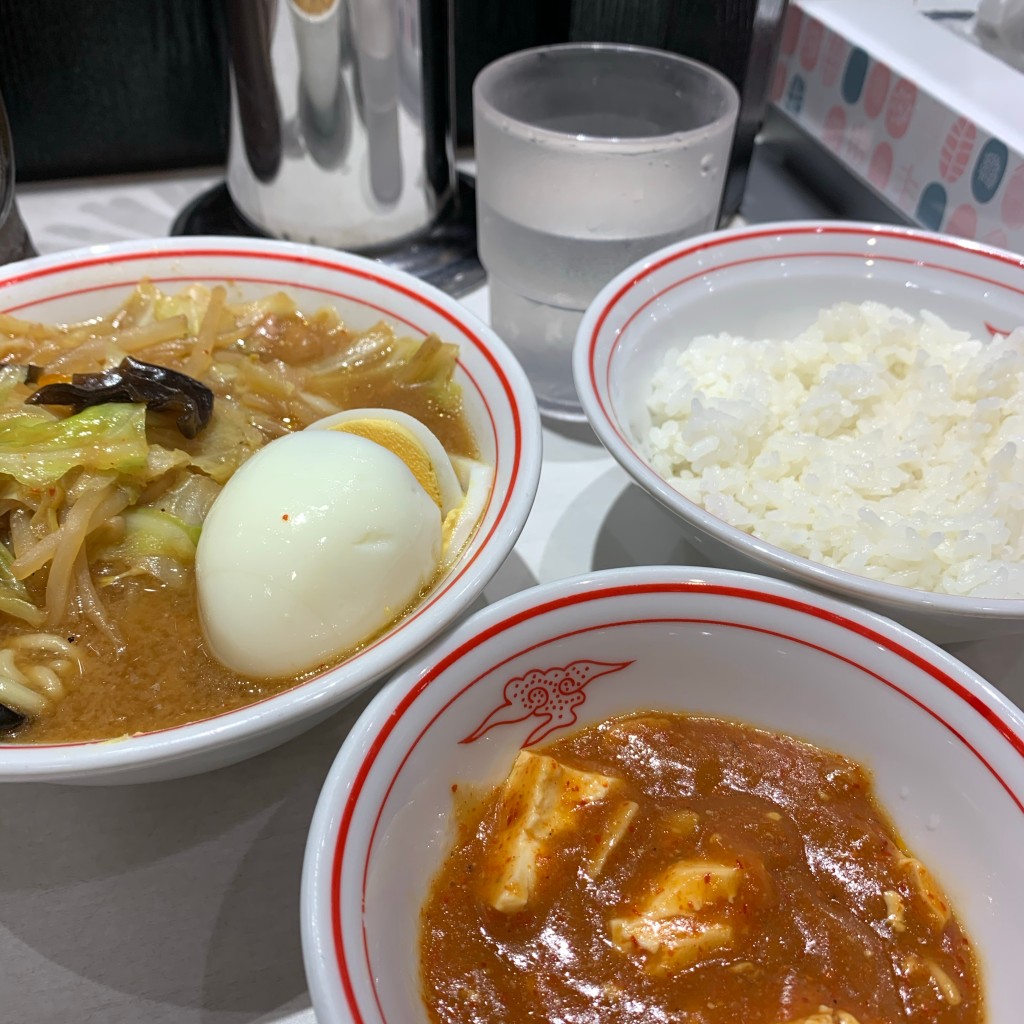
(177, 902)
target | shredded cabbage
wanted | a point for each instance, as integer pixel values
(14, 598)
(113, 491)
(36, 451)
(155, 543)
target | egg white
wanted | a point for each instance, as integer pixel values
(317, 542)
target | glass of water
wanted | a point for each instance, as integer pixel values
(589, 157)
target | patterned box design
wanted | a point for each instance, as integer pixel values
(934, 164)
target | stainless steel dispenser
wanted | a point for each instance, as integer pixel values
(341, 118)
(15, 243)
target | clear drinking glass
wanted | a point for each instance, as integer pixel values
(589, 156)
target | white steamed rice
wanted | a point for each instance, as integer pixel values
(876, 442)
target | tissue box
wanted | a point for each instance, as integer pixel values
(928, 120)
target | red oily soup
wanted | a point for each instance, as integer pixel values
(663, 867)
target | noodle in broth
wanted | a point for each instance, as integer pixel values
(100, 509)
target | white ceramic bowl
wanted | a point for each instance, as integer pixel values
(498, 401)
(946, 751)
(770, 281)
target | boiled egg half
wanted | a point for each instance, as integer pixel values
(327, 536)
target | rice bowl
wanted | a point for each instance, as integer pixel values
(772, 282)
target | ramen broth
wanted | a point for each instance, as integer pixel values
(162, 676)
(142, 664)
(167, 680)
(672, 868)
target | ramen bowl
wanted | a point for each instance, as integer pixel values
(946, 750)
(771, 281)
(498, 405)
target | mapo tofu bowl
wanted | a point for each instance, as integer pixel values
(242, 481)
(471, 805)
(836, 404)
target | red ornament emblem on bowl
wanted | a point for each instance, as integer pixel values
(551, 695)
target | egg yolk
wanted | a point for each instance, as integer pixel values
(402, 442)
